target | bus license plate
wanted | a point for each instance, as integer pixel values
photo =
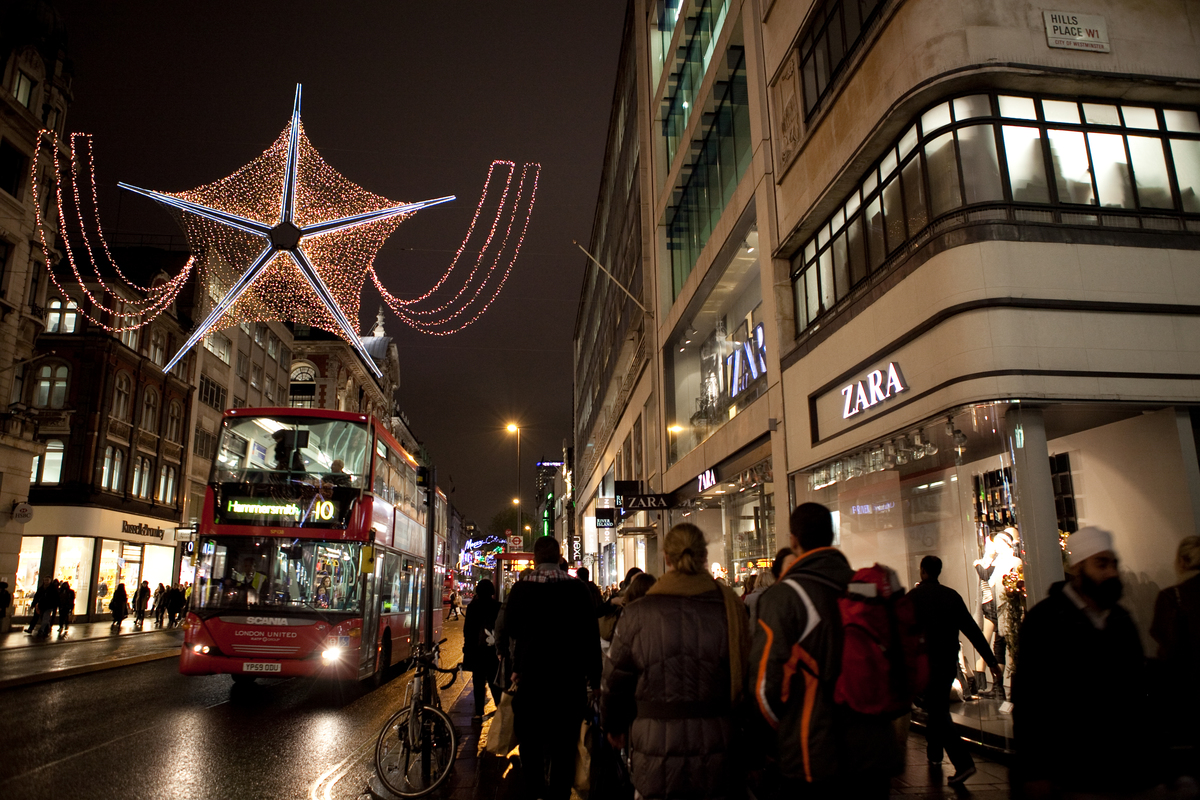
(261, 666)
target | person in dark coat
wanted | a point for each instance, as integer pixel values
(943, 615)
(160, 604)
(47, 607)
(140, 601)
(815, 749)
(1079, 710)
(674, 677)
(556, 657)
(1176, 630)
(66, 606)
(478, 655)
(593, 590)
(176, 602)
(119, 605)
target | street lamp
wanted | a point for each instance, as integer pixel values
(515, 428)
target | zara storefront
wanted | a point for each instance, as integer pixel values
(109, 548)
(976, 382)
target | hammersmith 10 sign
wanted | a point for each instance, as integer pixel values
(874, 390)
(318, 510)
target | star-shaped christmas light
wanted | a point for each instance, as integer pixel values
(302, 227)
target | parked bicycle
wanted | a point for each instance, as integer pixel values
(417, 747)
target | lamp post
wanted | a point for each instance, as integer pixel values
(515, 428)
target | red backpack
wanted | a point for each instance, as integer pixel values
(884, 665)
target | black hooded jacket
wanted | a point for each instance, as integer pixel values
(1079, 698)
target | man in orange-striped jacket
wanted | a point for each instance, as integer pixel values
(821, 749)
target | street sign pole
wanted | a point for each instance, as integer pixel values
(431, 508)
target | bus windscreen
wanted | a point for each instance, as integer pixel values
(273, 574)
(286, 449)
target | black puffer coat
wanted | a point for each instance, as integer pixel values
(666, 681)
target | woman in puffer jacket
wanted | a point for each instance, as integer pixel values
(673, 678)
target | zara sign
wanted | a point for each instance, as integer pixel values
(877, 387)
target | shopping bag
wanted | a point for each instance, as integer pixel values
(583, 759)
(502, 736)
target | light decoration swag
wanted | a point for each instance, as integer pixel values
(287, 238)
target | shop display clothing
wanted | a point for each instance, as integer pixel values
(1080, 715)
(671, 679)
(943, 616)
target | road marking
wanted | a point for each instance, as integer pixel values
(338, 771)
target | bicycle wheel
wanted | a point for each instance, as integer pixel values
(414, 769)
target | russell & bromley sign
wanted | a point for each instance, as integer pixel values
(139, 529)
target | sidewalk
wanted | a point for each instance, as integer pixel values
(87, 647)
(479, 775)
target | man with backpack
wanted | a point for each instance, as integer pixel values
(824, 744)
(942, 615)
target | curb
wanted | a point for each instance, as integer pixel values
(54, 675)
(57, 641)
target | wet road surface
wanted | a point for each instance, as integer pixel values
(145, 731)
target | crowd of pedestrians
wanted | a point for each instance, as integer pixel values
(803, 686)
(54, 602)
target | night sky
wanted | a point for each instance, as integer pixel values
(410, 100)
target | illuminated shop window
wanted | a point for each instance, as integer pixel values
(1041, 160)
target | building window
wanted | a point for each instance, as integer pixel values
(272, 345)
(181, 368)
(212, 394)
(722, 156)
(114, 468)
(158, 347)
(51, 389)
(35, 281)
(121, 391)
(256, 376)
(150, 411)
(12, 169)
(303, 387)
(174, 421)
(219, 345)
(836, 29)
(696, 51)
(269, 388)
(205, 445)
(260, 333)
(50, 465)
(143, 477)
(22, 87)
(62, 318)
(243, 362)
(166, 484)
(130, 337)
(1071, 158)
(285, 357)
(245, 326)
(239, 402)
(6, 249)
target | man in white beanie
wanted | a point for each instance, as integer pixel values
(1079, 711)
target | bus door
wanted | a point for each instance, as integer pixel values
(418, 599)
(370, 622)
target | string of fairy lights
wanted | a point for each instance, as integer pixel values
(242, 256)
(434, 321)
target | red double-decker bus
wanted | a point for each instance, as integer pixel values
(311, 550)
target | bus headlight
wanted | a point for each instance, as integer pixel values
(202, 649)
(331, 653)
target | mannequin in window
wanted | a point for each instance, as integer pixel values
(1005, 561)
(984, 567)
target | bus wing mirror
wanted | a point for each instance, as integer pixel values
(366, 563)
